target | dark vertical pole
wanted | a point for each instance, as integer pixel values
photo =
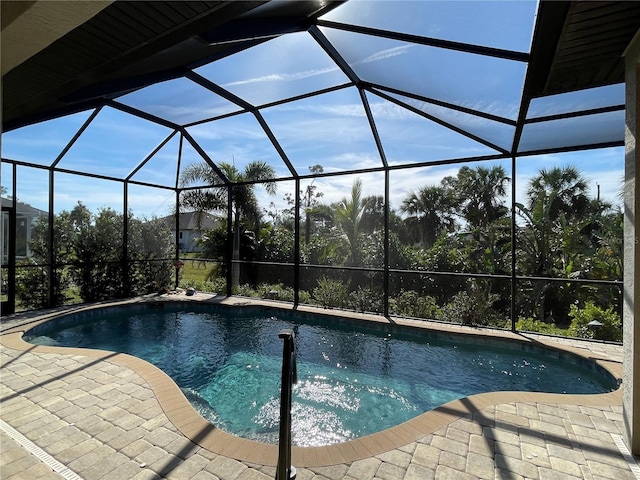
(296, 247)
(230, 239)
(50, 230)
(513, 244)
(177, 226)
(386, 244)
(177, 209)
(11, 261)
(284, 470)
(126, 284)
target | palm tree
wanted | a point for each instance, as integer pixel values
(563, 188)
(553, 196)
(349, 217)
(244, 202)
(431, 212)
(481, 194)
(557, 203)
(373, 214)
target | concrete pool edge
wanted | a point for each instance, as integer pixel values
(193, 426)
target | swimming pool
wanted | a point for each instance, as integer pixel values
(352, 380)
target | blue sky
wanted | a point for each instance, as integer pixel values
(331, 129)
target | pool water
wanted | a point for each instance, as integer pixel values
(351, 381)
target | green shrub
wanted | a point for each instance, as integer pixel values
(537, 326)
(217, 285)
(610, 330)
(150, 276)
(472, 307)
(330, 293)
(245, 290)
(280, 292)
(410, 303)
(365, 299)
(32, 286)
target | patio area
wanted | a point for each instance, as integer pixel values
(96, 415)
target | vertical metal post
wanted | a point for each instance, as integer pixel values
(176, 261)
(289, 376)
(514, 290)
(51, 219)
(177, 240)
(126, 282)
(230, 240)
(296, 246)
(385, 280)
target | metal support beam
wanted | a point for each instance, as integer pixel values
(289, 376)
(296, 247)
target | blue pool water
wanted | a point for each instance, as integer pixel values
(352, 381)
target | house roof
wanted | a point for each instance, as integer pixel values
(23, 208)
(195, 221)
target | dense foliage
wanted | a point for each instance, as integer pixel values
(460, 225)
(90, 258)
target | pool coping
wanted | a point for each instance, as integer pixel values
(193, 426)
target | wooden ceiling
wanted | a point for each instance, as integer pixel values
(126, 45)
(580, 44)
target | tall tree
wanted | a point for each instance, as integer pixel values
(480, 193)
(373, 214)
(559, 190)
(314, 212)
(555, 213)
(431, 212)
(244, 202)
(480, 201)
(554, 195)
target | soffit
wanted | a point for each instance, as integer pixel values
(106, 48)
(579, 45)
(41, 23)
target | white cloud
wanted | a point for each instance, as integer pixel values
(385, 54)
(283, 77)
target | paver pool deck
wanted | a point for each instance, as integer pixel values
(88, 414)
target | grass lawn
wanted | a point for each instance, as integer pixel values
(195, 270)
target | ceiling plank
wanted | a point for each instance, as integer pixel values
(30, 27)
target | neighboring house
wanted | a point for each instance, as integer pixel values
(26, 218)
(192, 226)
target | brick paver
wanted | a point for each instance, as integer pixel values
(102, 420)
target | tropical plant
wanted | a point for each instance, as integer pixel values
(431, 212)
(315, 214)
(372, 214)
(595, 322)
(533, 325)
(366, 299)
(330, 293)
(244, 202)
(558, 194)
(480, 195)
(410, 303)
(556, 201)
(348, 215)
(473, 306)
(479, 198)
